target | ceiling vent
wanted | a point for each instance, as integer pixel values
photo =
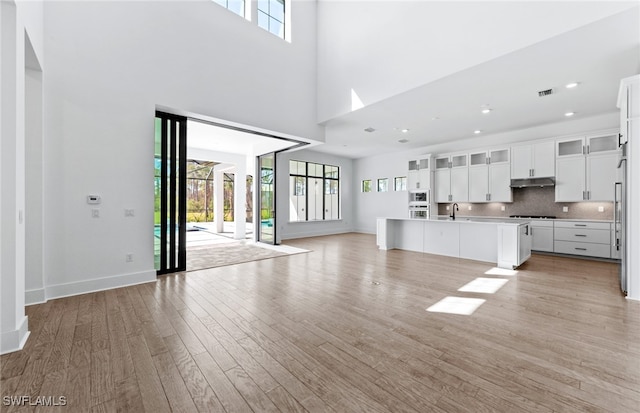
(369, 129)
(545, 92)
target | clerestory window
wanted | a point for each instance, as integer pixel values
(236, 6)
(271, 16)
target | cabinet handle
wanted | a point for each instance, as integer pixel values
(588, 149)
(579, 225)
(580, 235)
(583, 150)
(580, 249)
(588, 194)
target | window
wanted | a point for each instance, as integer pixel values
(400, 183)
(383, 184)
(271, 16)
(314, 191)
(236, 6)
(366, 185)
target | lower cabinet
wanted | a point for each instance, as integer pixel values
(585, 238)
(542, 231)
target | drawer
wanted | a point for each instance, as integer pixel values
(582, 248)
(541, 223)
(597, 236)
(582, 224)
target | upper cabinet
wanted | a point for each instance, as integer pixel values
(535, 160)
(589, 145)
(489, 176)
(586, 168)
(452, 178)
(419, 175)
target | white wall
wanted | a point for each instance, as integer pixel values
(369, 206)
(108, 65)
(400, 45)
(288, 230)
(17, 22)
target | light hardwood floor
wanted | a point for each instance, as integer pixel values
(343, 328)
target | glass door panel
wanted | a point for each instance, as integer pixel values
(267, 198)
(170, 212)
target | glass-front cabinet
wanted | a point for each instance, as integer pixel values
(452, 178)
(586, 168)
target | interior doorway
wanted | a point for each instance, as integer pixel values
(204, 186)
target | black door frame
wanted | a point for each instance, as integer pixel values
(173, 193)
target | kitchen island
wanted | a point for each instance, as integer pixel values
(505, 242)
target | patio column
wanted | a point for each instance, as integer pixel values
(218, 199)
(239, 201)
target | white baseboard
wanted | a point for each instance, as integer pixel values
(14, 340)
(32, 297)
(307, 234)
(98, 284)
(365, 231)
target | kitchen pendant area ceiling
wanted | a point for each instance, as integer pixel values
(596, 56)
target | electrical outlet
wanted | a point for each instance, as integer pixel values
(95, 213)
(565, 209)
(502, 208)
(129, 213)
(129, 258)
(600, 209)
(469, 208)
(447, 207)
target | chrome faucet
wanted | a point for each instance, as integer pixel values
(454, 208)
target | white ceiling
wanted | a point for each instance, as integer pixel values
(214, 138)
(597, 56)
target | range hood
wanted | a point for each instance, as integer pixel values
(532, 182)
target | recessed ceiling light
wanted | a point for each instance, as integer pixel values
(571, 85)
(435, 118)
(403, 140)
(404, 130)
(486, 110)
(569, 114)
(369, 129)
(477, 131)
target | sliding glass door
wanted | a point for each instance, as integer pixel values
(170, 214)
(267, 198)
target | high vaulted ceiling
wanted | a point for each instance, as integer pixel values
(596, 55)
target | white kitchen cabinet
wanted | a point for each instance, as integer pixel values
(570, 179)
(489, 176)
(514, 245)
(588, 178)
(419, 176)
(586, 168)
(586, 238)
(535, 160)
(452, 178)
(588, 145)
(542, 235)
(602, 174)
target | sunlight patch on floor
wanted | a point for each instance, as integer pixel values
(456, 305)
(483, 285)
(501, 272)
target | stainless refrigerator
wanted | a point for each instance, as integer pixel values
(620, 217)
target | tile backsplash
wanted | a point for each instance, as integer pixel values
(535, 201)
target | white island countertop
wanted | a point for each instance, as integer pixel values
(504, 241)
